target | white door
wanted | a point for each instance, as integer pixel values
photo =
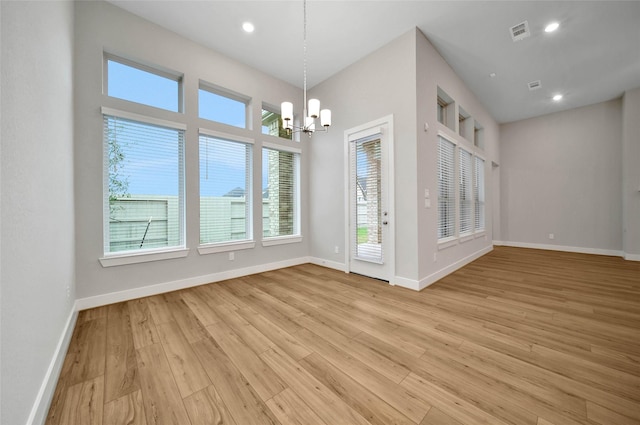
(370, 212)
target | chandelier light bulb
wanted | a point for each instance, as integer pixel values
(314, 108)
(325, 117)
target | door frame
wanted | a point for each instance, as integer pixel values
(382, 125)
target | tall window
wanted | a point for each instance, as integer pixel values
(221, 106)
(280, 194)
(478, 194)
(465, 189)
(144, 182)
(446, 189)
(141, 84)
(225, 190)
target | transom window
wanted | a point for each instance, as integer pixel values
(222, 106)
(272, 123)
(141, 84)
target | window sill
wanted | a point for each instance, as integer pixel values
(224, 247)
(480, 233)
(281, 240)
(448, 242)
(142, 257)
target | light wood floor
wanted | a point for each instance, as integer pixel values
(517, 337)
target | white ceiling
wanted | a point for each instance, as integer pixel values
(593, 57)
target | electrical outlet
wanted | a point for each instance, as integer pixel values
(336, 249)
(232, 256)
(68, 291)
(552, 236)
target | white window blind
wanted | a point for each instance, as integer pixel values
(280, 173)
(144, 186)
(478, 194)
(225, 190)
(366, 176)
(466, 195)
(446, 189)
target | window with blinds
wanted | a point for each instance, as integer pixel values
(478, 194)
(446, 189)
(280, 194)
(366, 176)
(225, 190)
(465, 191)
(144, 185)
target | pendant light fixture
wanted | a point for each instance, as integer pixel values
(310, 110)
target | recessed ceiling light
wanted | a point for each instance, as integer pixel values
(492, 75)
(557, 97)
(552, 27)
(248, 27)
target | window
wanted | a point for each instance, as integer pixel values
(442, 111)
(221, 106)
(141, 84)
(225, 190)
(465, 190)
(478, 193)
(144, 184)
(478, 135)
(446, 110)
(280, 194)
(446, 189)
(272, 123)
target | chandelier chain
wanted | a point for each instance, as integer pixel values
(304, 37)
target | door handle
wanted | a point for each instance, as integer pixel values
(385, 222)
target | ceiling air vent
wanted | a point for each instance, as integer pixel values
(520, 31)
(534, 85)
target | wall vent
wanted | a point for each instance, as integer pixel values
(534, 85)
(520, 31)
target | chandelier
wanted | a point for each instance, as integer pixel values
(311, 110)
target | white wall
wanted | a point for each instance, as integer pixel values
(434, 72)
(561, 174)
(631, 174)
(381, 84)
(102, 27)
(400, 78)
(37, 263)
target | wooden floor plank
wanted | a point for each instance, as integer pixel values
(121, 374)
(291, 410)
(185, 366)
(518, 337)
(326, 404)
(126, 410)
(207, 408)
(84, 403)
(162, 402)
(241, 399)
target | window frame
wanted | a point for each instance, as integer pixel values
(151, 69)
(229, 94)
(297, 217)
(458, 236)
(232, 245)
(117, 258)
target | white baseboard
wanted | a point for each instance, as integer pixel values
(405, 283)
(434, 277)
(327, 263)
(41, 405)
(161, 288)
(580, 250)
(631, 257)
